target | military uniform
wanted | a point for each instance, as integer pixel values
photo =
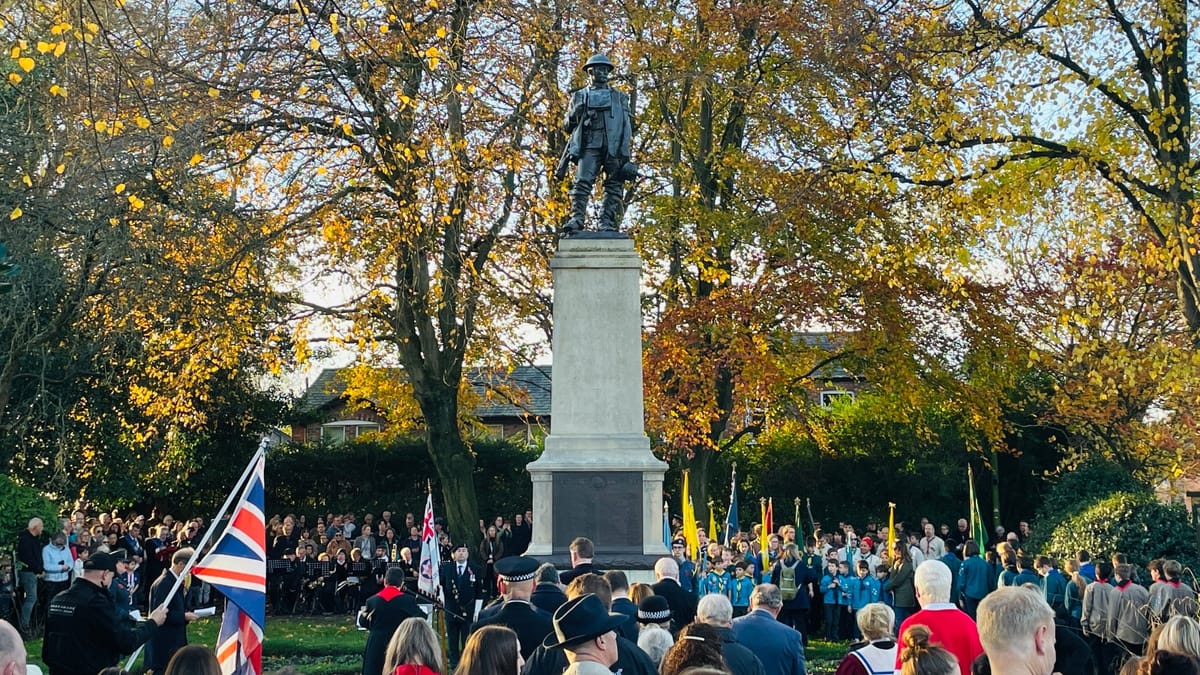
(460, 591)
(600, 123)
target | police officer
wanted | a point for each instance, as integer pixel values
(531, 624)
(85, 632)
(599, 122)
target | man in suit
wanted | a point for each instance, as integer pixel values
(776, 645)
(532, 625)
(621, 604)
(173, 634)
(683, 604)
(462, 583)
(382, 616)
(582, 551)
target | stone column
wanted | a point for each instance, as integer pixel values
(597, 477)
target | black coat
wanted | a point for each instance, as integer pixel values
(461, 592)
(385, 612)
(631, 660)
(530, 624)
(625, 606)
(739, 658)
(172, 636)
(682, 603)
(86, 634)
(548, 597)
(578, 571)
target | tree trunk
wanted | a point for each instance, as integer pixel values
(700, 468)
(454, 463)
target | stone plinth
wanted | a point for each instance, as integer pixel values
(597, 477)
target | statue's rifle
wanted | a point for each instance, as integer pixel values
(565, 159)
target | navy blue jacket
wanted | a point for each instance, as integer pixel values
(776, 644)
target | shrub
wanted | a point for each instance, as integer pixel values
(1134, 524)
(17, 505)
(1077, 490)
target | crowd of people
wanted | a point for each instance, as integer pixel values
(334, 563)
(934, 601)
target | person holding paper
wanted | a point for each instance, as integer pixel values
(173, 635)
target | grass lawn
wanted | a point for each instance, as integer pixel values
(330, 645)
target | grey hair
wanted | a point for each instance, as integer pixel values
(715, 609)
(656, 642)
(766, 595)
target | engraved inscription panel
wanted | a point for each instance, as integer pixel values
(604, 506)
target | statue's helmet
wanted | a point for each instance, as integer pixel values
(597, 60)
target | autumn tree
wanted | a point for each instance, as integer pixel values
(400, 145)
(136, 278)
(1057, 137)
(765, 270)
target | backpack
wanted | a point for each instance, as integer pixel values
(787, 581)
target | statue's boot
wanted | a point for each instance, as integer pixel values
(579, 201)
(610, 211)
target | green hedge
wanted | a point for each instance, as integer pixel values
(1137, 525)
(17, 505)
(1075, 491)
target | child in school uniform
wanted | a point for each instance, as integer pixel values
(863, 589)
(833, 600)
(741, 588)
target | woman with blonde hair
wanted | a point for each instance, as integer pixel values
(1180, 634)
(878, 653)
(639, 591)
(413, 650)
(918, 657)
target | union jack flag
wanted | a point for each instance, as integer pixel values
(237, 566)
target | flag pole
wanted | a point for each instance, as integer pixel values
(208, 533)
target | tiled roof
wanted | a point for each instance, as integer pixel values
(524, 391)
(830, 343)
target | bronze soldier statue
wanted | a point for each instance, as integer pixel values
(598, 121)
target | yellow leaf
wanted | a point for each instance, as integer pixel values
(168, 141)
(16, 213)
(314, 44)
(120, 188)
(26, 63)
(15, 53)
(101, 126)
(60, 168)
(92, 26)
(213, 93)
(142, 122)
(441, 32)
(196, 159)
(256, 94)
(56, 90)
(433, 63)
(149, 81)
(321, 171)
(384, 28)
(27, 180)
(60, 48)
(14, 78)
(44, 47)
(135, 203)
(432, 52)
